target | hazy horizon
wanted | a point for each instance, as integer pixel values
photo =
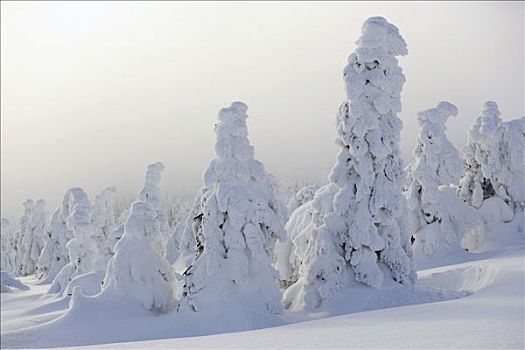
(93, 92)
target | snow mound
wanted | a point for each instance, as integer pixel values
(7, 283)
(468, 279)
(89, 283)
(495, 209)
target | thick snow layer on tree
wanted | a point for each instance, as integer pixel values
(183, 244)
(437, 163)
(284, 261)
(235, 224)
(150, 193)
(364, 232)
(513, 175)
(54, 255)
(494, 209)
(22, 241)
(8, 283)
(479, 295)
(103, 219)
(305, 194)
(460, 227)
(138, 271)
(494, 160)
(7, 249)
(83, 252)
(89, 283)
(32, 240)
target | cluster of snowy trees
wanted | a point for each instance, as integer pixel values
(238, 246)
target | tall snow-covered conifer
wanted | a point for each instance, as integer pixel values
(138, 269)
(6, 251)
(22, 237)
(494, 160)
(235, 224)
(150, 193)
(103, 219)
(437, 163)
(81, 248)
(33, 237)
(358, 222)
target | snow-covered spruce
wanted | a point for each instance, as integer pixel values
(235, 224)
(286, 260)
(183, 243)
(137, 270)
(512, 188)
(32, 241)
(305, 194)
(21, 233)
(150, 193)
(494, 160)
(54, 255)
(7, 251)
(103, 218)
(116, 234)
(82, 247)
(481, 156)
(437, 163)
(360, 229)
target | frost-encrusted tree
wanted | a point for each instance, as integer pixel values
(150, 193)
(32, 240)
(305, 194)
(21, 234)
(7, 251)
(54, 256)
(437, 163)
(82, 248)
(103, 219)
(482, 156)
(235, 224)
(494, 160)
(54, 253)
(512, 188)
(184, 240)
(286, 260)
(359, 229)
(137, 269)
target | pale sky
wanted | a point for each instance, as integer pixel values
(93, 92)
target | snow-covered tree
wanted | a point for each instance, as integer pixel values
(494, 160)
(54, 253)
(286, 260)
(183, 237)
(305, 194)
(481, 156)
(104, 221)
(137, 270)
(235, 224)
(6, 247)
(178, 215)
(150, 193)
(512, 179)
(33, 237)
(116, 234)
(21, 248)
(437, 165)
(81, 248)
(359, 229)
(54, 256)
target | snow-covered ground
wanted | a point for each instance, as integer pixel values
(470, 300)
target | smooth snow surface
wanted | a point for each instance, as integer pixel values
(470, 300)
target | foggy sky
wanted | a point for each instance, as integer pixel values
(93, 92)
